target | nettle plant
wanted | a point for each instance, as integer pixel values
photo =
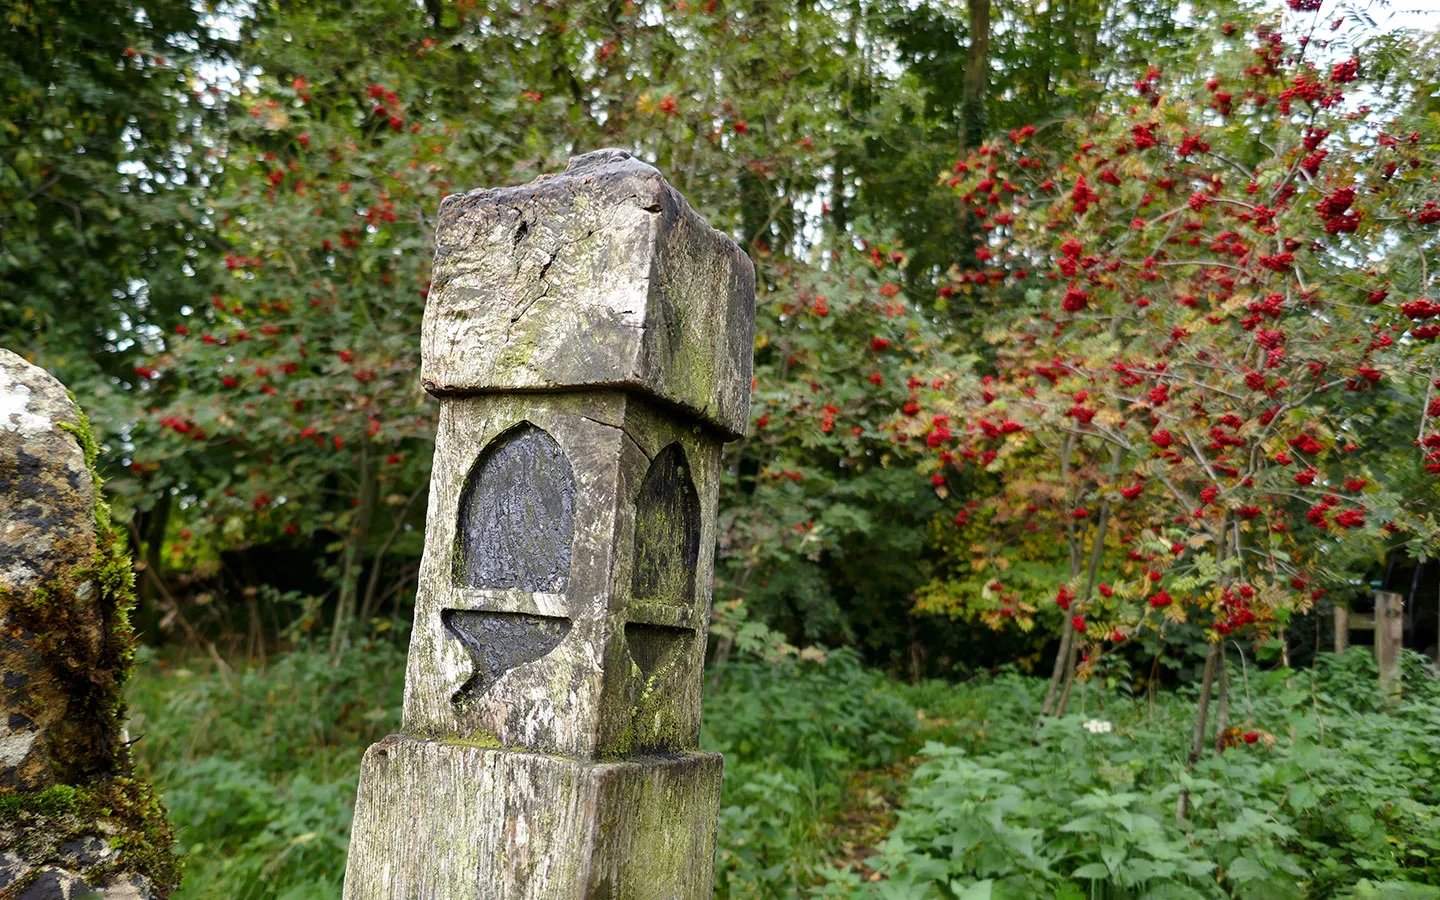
(1210, 284)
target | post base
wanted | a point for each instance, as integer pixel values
(458, 822)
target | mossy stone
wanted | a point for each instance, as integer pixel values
(66, 593)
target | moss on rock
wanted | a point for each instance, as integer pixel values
(70, 806)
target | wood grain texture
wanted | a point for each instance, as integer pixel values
(455, 822)
(602, 276)
(1389, 641)
(667, 532)
(590, 340)
(498, 642)
(517, 514)
(588, 696)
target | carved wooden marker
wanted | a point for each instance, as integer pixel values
(589, 337)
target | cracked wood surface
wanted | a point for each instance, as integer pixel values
(587, 696)
(602, 276)
(589, 337)
(448, 821)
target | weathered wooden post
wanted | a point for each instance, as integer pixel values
(589, 337)
(1389, 640)
(1342, 629)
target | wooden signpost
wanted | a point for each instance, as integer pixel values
(589, 338)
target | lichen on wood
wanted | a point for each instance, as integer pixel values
(599, 276)
(589, 339)
(667, 532)
(451, 820)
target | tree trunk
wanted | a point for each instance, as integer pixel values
(1069, 677)
(1097, 550)
(1057, 673)
(1197, 737)
(1064, 672)
(435, 9)
(1222, 711)
(371, 599)
(839, 206)
(971, 130)
(152, 557)
(1202, 711)
(838, 210)
(977, 76)
(1067, 630)
(255, 641)
(353, 559)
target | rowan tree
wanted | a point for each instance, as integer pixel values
(1207, 287)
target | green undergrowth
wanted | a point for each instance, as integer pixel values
(1321, 792)
(259, 767)
(792, 734)
(1338, 795)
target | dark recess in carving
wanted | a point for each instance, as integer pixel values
(517, 515)
(656, 647)
(500, 641)
(667, 532)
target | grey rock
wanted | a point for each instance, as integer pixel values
(13, 867)
(47, 539)
(55, 884)
(48, 494)
(82, 853)
(62, 634)
(126, 887)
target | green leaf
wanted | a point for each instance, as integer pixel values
(1244, 868)
(980, 890)
(1302, 797)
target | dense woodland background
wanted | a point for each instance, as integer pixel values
(975, 454)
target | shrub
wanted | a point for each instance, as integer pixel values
(259, 768)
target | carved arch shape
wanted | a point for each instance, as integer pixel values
(517, 515)
(667, 532)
